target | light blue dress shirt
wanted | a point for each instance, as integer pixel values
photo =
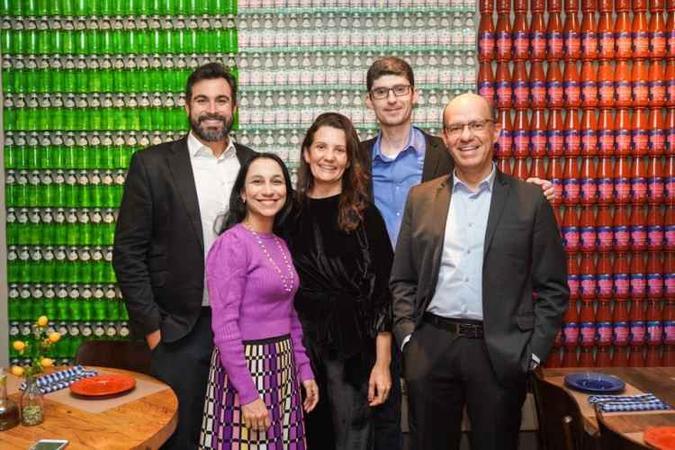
(393, 178)
(459, 291)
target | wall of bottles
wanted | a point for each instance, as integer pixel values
(587, 100)
(86, 84)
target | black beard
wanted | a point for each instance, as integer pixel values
(211, 136)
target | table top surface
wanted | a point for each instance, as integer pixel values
(660, 381)
(146, 422)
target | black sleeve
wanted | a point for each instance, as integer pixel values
(382, 256)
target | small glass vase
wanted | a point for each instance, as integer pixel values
(32, 404)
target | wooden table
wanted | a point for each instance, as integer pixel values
(660, 381)
(144, 423)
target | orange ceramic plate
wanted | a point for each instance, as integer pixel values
(662, 438)
(102, 385)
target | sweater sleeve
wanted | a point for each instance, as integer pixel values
(226, 272)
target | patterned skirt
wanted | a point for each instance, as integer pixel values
(272, 366)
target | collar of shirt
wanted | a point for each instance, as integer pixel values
(416, 142)
(485, 185)
(197, 149)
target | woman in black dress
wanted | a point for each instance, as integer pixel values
(342, 253)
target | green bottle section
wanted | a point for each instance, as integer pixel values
(86, 83)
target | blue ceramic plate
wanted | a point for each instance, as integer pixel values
(594, 382)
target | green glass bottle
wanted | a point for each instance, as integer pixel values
(49, 266)
(47, 227)
(60, 227)
(12, 227)
(72, 232)
(35, 227)
(23, 270)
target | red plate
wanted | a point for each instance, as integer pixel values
(662, 438)
(102, 385)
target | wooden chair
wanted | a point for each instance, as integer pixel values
(611, 439)
(561, 425)
(128, 355)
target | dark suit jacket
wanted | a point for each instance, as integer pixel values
(523, 254)
(437, 160)
(158, 253)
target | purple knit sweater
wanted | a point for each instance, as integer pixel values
(249, 302)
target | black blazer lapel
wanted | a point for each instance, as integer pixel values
(432, 157)
(184, 181)
(439, 218)
(500, 195)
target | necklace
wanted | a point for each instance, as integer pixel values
(286, 280)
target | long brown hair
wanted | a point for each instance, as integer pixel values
(354, 197)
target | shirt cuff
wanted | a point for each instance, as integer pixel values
(405, 341)
(534, 361)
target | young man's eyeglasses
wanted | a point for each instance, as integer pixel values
(382, 92)
(476, 126)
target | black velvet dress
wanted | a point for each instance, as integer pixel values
(344, 298)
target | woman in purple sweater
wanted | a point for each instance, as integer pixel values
(258, 363)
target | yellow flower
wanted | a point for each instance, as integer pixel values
(17, 371)
(19, 346)
(46, 362)
(42, 321)
(54, 337)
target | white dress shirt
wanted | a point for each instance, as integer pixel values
(214, 178)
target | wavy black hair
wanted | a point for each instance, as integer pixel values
(237, 211)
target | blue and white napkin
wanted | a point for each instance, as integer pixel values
(638, 402)
(60, 380)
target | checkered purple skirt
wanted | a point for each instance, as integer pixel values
(272, 367)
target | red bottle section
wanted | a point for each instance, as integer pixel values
(585, 97)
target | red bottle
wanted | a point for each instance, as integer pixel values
(503, 43)
(640, 30)
(655, 228)
(606, 133)
(622, 170)
(504, 165)
(571, 86)
(521, 135)
(670, 33)
(589, 36)
(638, 276)
(670, 77)
(554, 87)
(520, 6)
(604, 230)
(589, 183)
(654, 275)
(637, 322)
(537, 5)
(638, 181)
(520, 170)
(504, 93)
(486, 82)
(669, 232)
(572, 134)
(655, 181)
(554, 174)
(571, 188)
(503, 6)
(589, 133)
(606, 84)
(622, 85)
(669, 272)
(621, 333)
(621, 229)
(587, 242)
(587, 323)
(605, 174)
(621, 276)
(520, 86)
(555, 141)
(504, 144)
(656, 133)
(537, 82)
(622, 133)
(570, 230)
(669, 323)
(572, 36)
(670, 148)
(573, 278)
(605, 275)
(657, 34)
(486, 6)
(538, 168)
(640, 83)
(521, 37)
(654, 323)
(622, 35)
(554, 37)
(603, 357)
(570, 335)
(486, 38)
(538, 134)
(537, 36)
(657, 84)
(639, 132)
(589, 85)
(604, 330)
(606, 36)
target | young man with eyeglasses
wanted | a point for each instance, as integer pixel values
(398, 158)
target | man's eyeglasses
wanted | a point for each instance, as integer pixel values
(476, 126)
(382, 92)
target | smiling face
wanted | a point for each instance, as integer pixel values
(211, 109)
(327, 158)
(471, 147)
(264, 191)
(392, 110)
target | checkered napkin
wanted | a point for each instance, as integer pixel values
(60, 380)
(639, 402)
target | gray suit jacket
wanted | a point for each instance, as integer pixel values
(523, 254)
